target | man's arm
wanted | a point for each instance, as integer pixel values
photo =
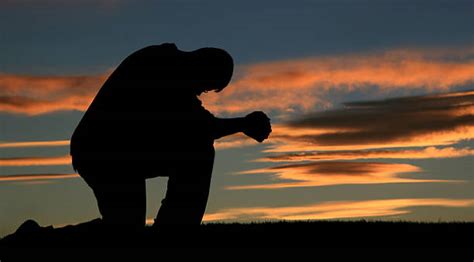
(255, 125)
(228, 126)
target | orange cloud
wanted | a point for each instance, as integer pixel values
(36, 161)
(335, 173)
(33, 95)
(301, 83)
(388, 69)
(279, 85)
(53, 143)
(35, 177)
(429, 152)
(334, 210)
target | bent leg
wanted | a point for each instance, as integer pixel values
(186, 195)
(121, 201)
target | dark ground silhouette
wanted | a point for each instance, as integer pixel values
(147, 121)
(320, 234)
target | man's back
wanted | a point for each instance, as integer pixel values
(146, 110)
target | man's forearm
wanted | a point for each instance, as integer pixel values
(228, 126)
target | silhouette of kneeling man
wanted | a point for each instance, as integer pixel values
(146, 121)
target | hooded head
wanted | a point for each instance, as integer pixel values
(209, 69)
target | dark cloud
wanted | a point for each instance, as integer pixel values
(409, 121)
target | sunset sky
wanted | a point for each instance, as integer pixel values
(372, 104)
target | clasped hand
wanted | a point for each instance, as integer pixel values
(257, 126)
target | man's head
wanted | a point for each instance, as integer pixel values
(210, 69)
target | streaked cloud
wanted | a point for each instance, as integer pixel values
(335, 173)
(36, 161)
(429, 152)
(276, 85)
(237, 140)
(35, 177)
(34, 95)
(52, 143)
(335, 210)
(420, 121)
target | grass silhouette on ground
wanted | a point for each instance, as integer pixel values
(314, 234)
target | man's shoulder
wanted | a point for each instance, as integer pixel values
(151, 55)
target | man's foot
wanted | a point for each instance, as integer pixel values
(31, 227)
